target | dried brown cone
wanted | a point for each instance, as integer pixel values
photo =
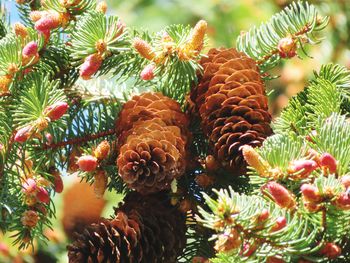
(231, 101)
(144, 230)
(81, 208)
(152, 138)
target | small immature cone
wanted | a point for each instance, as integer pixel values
(30, 218)
(5, 82)
(148, 72)
(228, 241)
(281, 222)
(343, 201)
(253, 159)
(345, 180)
(90, 66)
(42, 195)
(20, 30)
(48, 21)
(198, 34)
(310, 193)
(56, 110)
(280, 195)
(100, 183)
(87, 163)
(30, 49)
(263, 216)
(102, 150)
(329, 162)
(23, 134)
(143, 48)
(302, 168)
(102, 7)
(331, 250)
(287, 47)
(58, 182)
(29, 186)
(204, 180)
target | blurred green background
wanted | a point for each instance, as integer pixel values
(226, 19)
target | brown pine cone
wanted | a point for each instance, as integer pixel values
(232, 104)
(145, 230)
(152, 140)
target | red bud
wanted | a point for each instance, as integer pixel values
(48, 22)
(49, 138)
(303, 168)
(310, 193)
(43, 195)
(327, 160)
(343, 201)
(22, 135)
(90, 66)
(281, 222)
(30, 50)
(331, 250)
(280, 195)
(345, 180)
(58, 182)
(148, 72)
(56, 110)
(264, 216)
(29, 186)
(87, 163)
(287, 47)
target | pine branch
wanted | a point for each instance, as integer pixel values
(282, 34)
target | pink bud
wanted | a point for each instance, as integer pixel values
(58, 182)
(302, 167)
(29, 186)
(90, 66)
(327, 160)
(343, 201)
(148, 72)
(47, 22)
(49, 138)
(56, 110)
(280, 195)
(87, 163)
(331, 250)
(43, 195)
(345, 180)
(22, 135)
(248, 249)
(281, 222)
(310, 193)
(264, 215)
(31, 49)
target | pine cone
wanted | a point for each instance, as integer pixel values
(231, 101)
(152, 137)
(144, 230)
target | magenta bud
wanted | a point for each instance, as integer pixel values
(302, 167)
(280, 195)
(29, 186)
(327, 160)
(31, 49)
(90, 66)
(281, 222)
(42, 195)
(264, 215)
(148, 72)
(343, 201)
(56, 110)
(23, 134)
(310, 193)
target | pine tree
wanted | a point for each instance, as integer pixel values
(162, 120)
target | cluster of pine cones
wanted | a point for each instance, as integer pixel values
(153, 143)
